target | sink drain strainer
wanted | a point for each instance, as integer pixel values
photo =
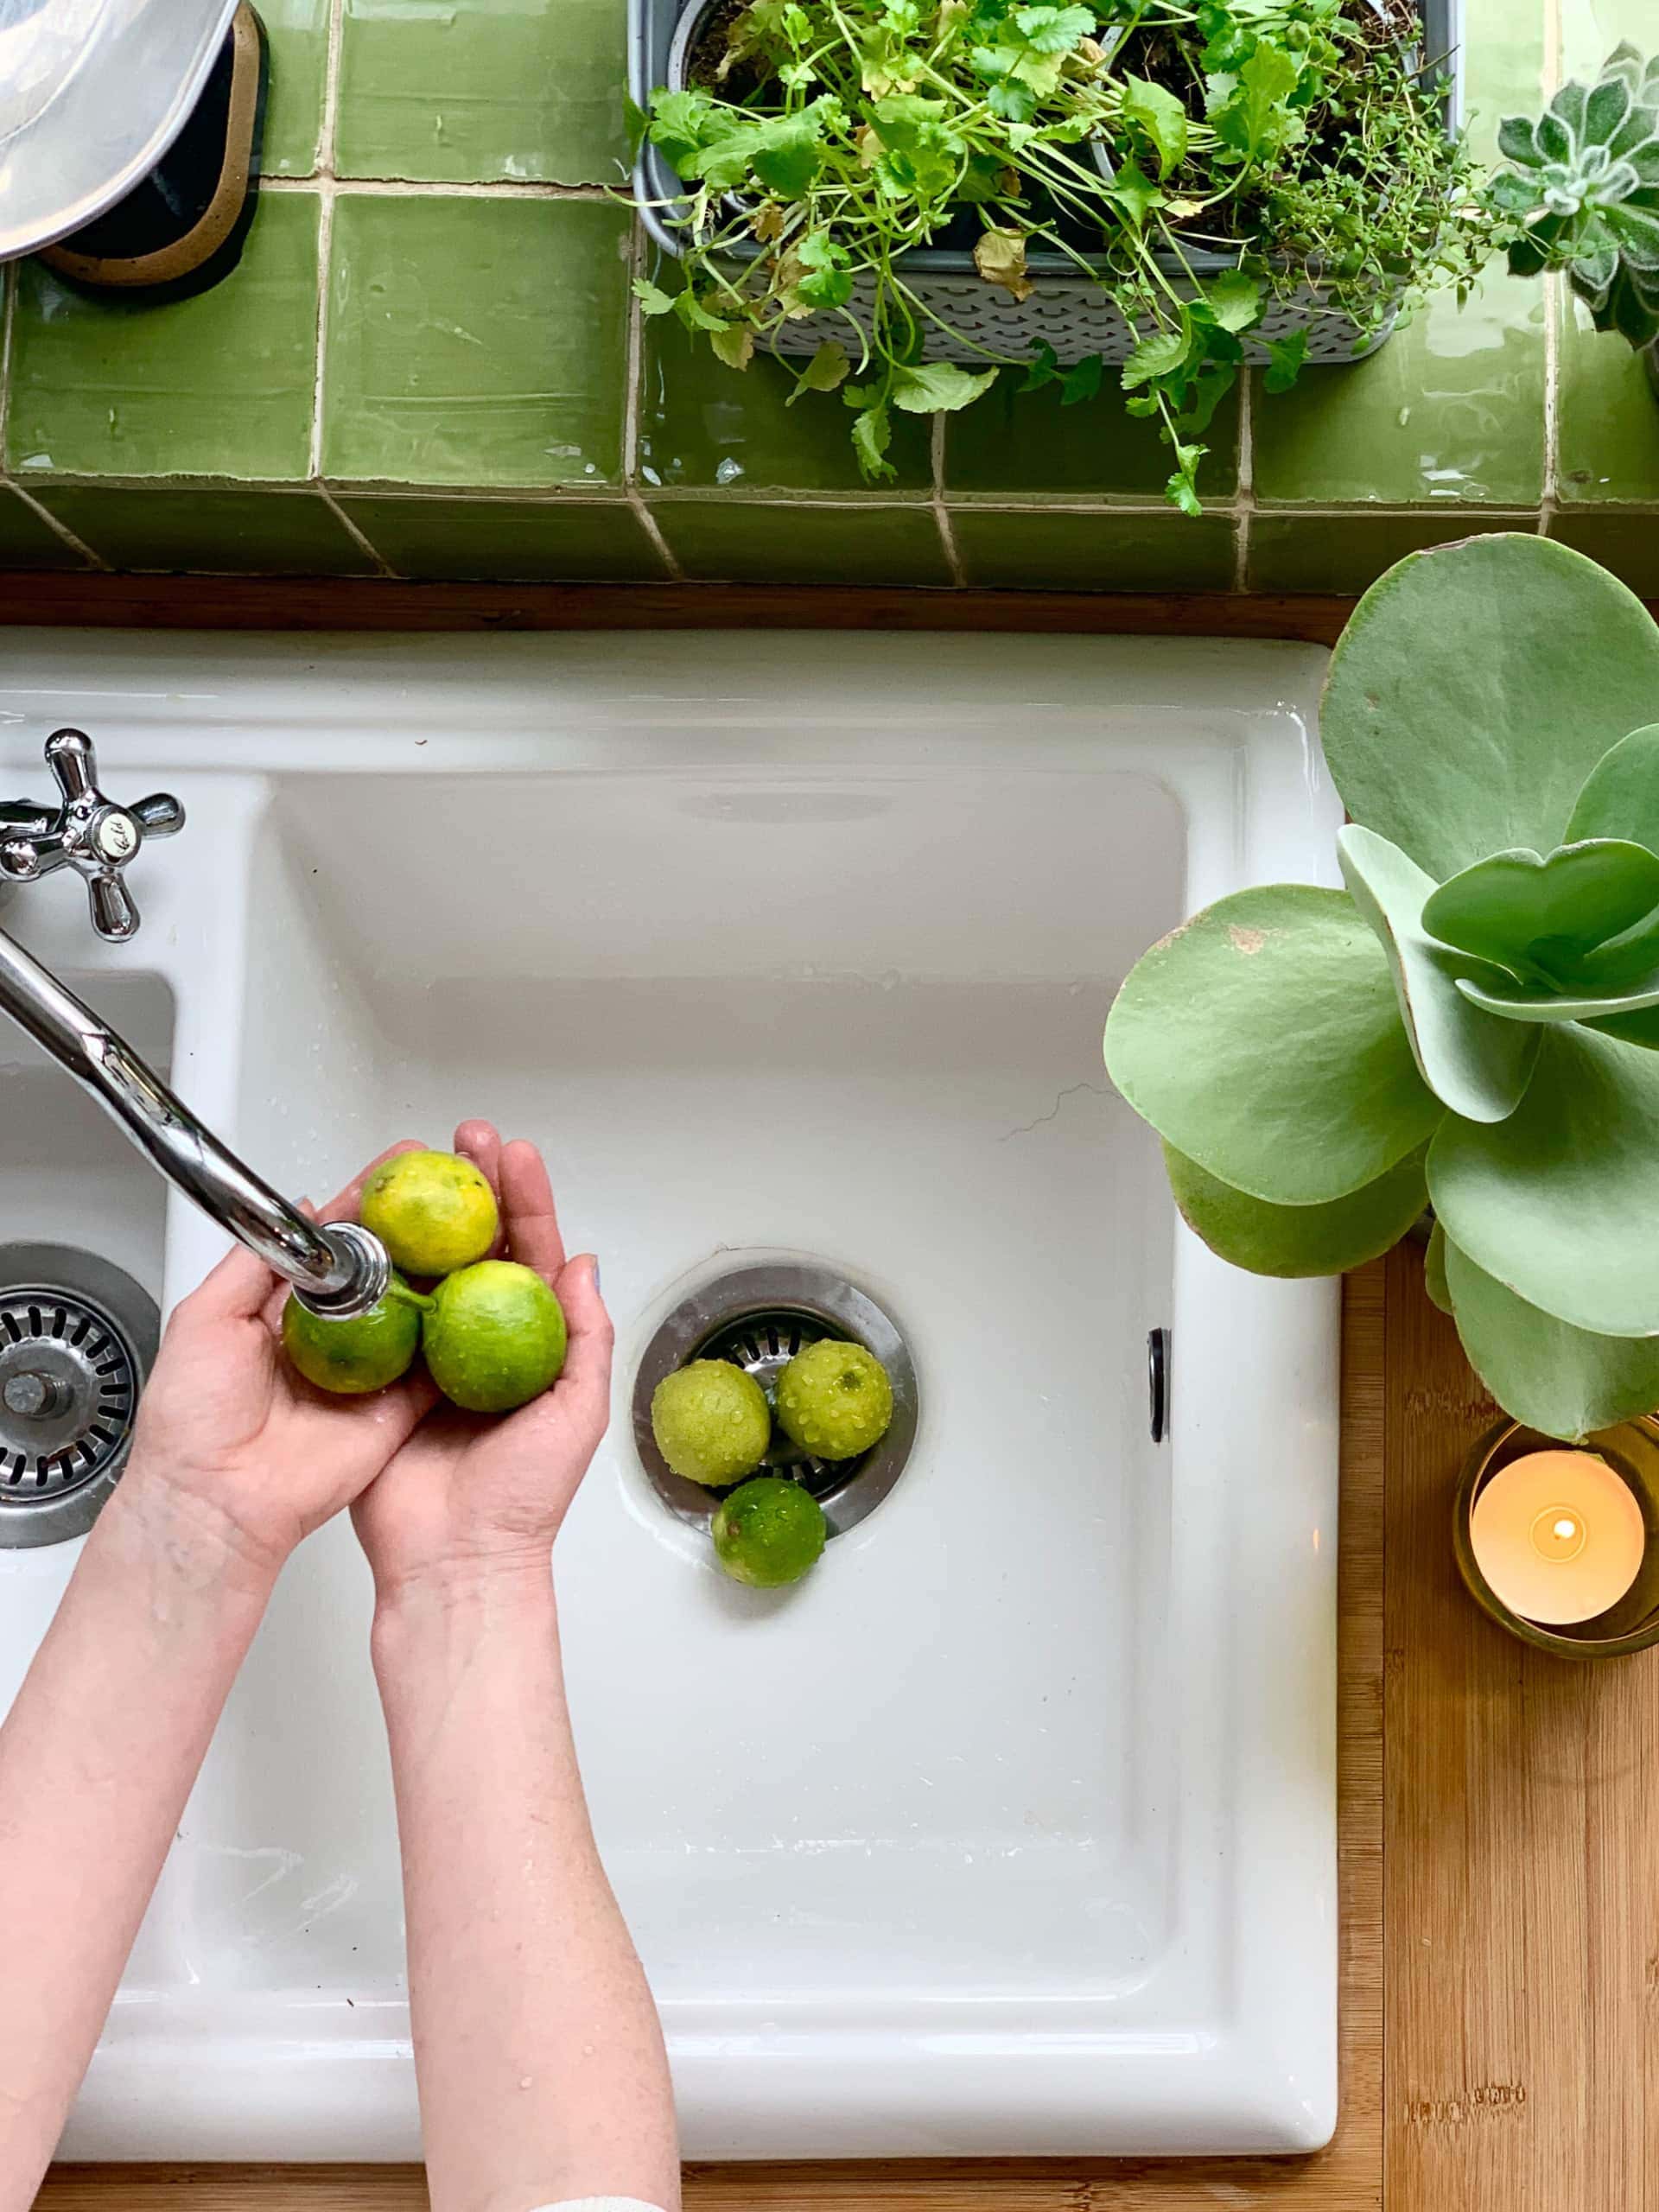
(759, 1318)
(77, 1339)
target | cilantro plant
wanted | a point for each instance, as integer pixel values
(1131, 143)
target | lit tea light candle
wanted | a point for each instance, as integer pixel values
(1558, 1535)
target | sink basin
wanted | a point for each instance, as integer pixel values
(1012, 1828)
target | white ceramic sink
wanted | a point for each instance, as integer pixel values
(1012, 1828)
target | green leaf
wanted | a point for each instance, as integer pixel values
(1234, 300)
(871, 435)
(1261, 1039)
(1561, 1380)
(1522, 911)
(1434, 1269)
(1558, 1203)
(734, 343)
(1157, 116)
(1473, 690)
(1134, 194)
(1043, 367)
(1477, 1066)
(652, 297)
(1082, 380)
(1285, 359)
(1251, 119)
(828, 369)
(937, 387)
(1517, 1002)
(1054, 31)
(1317, 1240)
(1156, 355)
(1620, 797)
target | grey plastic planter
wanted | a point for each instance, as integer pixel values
(1066, 310)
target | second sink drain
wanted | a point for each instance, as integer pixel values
(759, 1318)
(76, 1340)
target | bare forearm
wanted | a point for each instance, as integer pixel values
(541, 2064)
(103, 1743)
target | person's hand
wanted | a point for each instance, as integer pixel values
(232, 1447)
(470, 1495)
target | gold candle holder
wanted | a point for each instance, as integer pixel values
(1631, 1450)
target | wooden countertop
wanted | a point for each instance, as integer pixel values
(1499, 1855)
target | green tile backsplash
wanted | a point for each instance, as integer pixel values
(441, 212)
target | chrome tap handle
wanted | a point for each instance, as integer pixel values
(90, 833)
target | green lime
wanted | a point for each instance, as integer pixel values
(432, 1212)
(834, 1400)
(769, 1532)
(353, 1357)
(495, 1337)
(711, 1422)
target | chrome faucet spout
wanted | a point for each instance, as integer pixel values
(336, 1268)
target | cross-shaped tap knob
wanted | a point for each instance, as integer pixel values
(87, 832)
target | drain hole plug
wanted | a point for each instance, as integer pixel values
(758, 1319)
(76, 1340)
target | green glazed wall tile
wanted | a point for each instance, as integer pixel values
(1450, 412)
(474, 90)
(1026, 442)
(517, 541)
(476, 342)
(1347, 553)
(1625, 543)
(703, 424)
(1451, 409)
(220, 385)
(247, 531)
(1607, 413)
(297, 37)
(1097, 550)
(26, 542)
(745, 541)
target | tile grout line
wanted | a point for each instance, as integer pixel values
(1555, 306)
(1246, 491)
(942, 521)
(324, 186)
(389, 188)
(632, 394)
(61, 531)
(382, 565)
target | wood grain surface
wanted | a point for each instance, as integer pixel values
(371, 603)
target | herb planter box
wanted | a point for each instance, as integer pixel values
(1066, 310)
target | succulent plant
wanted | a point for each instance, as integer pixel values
(1584, 183)
(1474, 1022)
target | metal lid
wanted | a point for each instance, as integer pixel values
(92, 92)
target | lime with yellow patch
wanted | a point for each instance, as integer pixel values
(434, 1212)
(352, 1358)
(494, 1336)
(769, 1532)
(834, 1400)
(711, 1422)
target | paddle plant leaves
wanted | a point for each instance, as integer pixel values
(1543, 914)
(1558, 1203)
(1620, 798)
(1316, 1239)
(1474, 689)
(1535, 1002)
(1562, 1381)
(1434, 1269)
(1263, 1039)
(1477, 1066)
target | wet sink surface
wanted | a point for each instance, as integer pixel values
(1012, 1828)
